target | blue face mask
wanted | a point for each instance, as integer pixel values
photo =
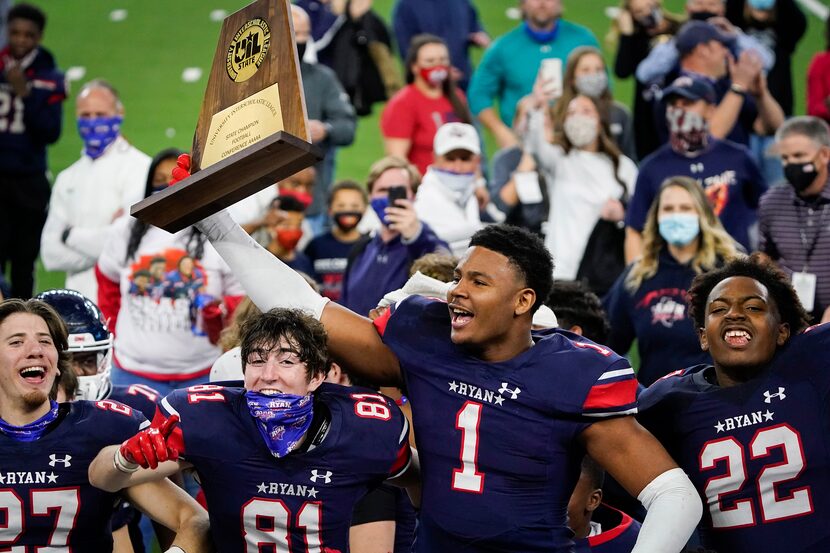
(98, 132)
(282, 419)
(379, 205)
(542, 37)
(32, 431)
(679, 229)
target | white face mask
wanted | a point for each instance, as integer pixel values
(592, 84)
(581, 130)
(462, 184)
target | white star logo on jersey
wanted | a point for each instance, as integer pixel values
(513, 393)
(780, 395)
(326, 476)
(53, 478)
(65, 461)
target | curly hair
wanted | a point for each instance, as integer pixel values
(574, 304)
(525, 251)
(305, 334)
(759, 268)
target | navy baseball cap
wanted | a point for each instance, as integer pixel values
(693, 33)
(691, 88)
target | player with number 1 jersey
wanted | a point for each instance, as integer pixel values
(757, 449)
(552, 391)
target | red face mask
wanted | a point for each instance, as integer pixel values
(303, 197)
(435, 75)
(288, 237)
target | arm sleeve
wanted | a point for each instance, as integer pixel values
(674, 509)
(42, 110)
(630, 52)
(89, 241)
(755, 185)
(426, 242)
(268, 281)
(659, 63)
(635, 215)
(397, 120)
(475, 20)
(621, 334)
(547, 155)
(791, 25)
(746, 42)
(403, 24)
(486, 82)
(817, 90)
(56, 255)
(338, 113)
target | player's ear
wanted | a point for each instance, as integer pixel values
(594, 500)
(316, 380)
(524, 301)
(704, 341)
(783, 334)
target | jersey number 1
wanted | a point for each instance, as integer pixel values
(468, 478)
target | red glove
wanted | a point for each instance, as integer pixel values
(148, 448)
(182, 169)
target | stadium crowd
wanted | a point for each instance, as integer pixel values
(607, 335)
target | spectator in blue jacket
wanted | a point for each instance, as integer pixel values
(32, 91)
(681, 239)
(380, 263)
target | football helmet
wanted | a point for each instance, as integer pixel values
(88, 333)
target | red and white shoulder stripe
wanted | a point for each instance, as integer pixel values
(613, 394)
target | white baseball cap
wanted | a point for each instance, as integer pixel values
(456, 136)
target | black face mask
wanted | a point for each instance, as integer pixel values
(702, 16)
(347, 220)
(651, 20)
(301, 50)
(801, 175)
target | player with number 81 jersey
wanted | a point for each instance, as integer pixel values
(300, 503)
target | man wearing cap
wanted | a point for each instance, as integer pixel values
(727, 171)
(446, 199)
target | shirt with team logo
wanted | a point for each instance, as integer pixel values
(299, 503)
(656, 314)
(759, 452)
(46, 499)
(499, 442)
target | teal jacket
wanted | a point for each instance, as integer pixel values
(508, 69)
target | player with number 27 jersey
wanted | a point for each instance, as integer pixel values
(300, 503)
(758, 452)
(481, 476)
(46, 500)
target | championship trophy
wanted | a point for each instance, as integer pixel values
(252, 129)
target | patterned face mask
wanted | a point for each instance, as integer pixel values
(99, 132)
(282, 419)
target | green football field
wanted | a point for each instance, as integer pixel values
(154, 52)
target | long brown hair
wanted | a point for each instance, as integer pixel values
(448, 87)
(715, 246)
(607, 145)
(569, 91)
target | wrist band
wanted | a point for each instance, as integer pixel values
(738, 89)
(122, 465)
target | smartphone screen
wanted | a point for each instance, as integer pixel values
(396, 193)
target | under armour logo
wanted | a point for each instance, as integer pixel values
(65, 461)
(326, 476)
(780, 395)
(513, 393)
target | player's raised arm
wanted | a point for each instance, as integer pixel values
(640, 464)
(170, 506)
(352, 339)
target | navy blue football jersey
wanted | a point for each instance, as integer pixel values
(299, 503)
(138, 396)
(758, 453)
(498, 442)
(618, 532)
(45, 495)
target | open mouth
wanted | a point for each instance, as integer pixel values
(33, 375)
(459, 317)
(269, 391)
(737, 338)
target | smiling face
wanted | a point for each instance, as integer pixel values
(486, 301)
(277, 368)
(28, 363)
(743, 327)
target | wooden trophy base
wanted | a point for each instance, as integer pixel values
(263, 164)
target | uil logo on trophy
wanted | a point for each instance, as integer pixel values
(252, 129)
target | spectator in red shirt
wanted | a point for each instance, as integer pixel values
(818, 81)
(430, 99)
